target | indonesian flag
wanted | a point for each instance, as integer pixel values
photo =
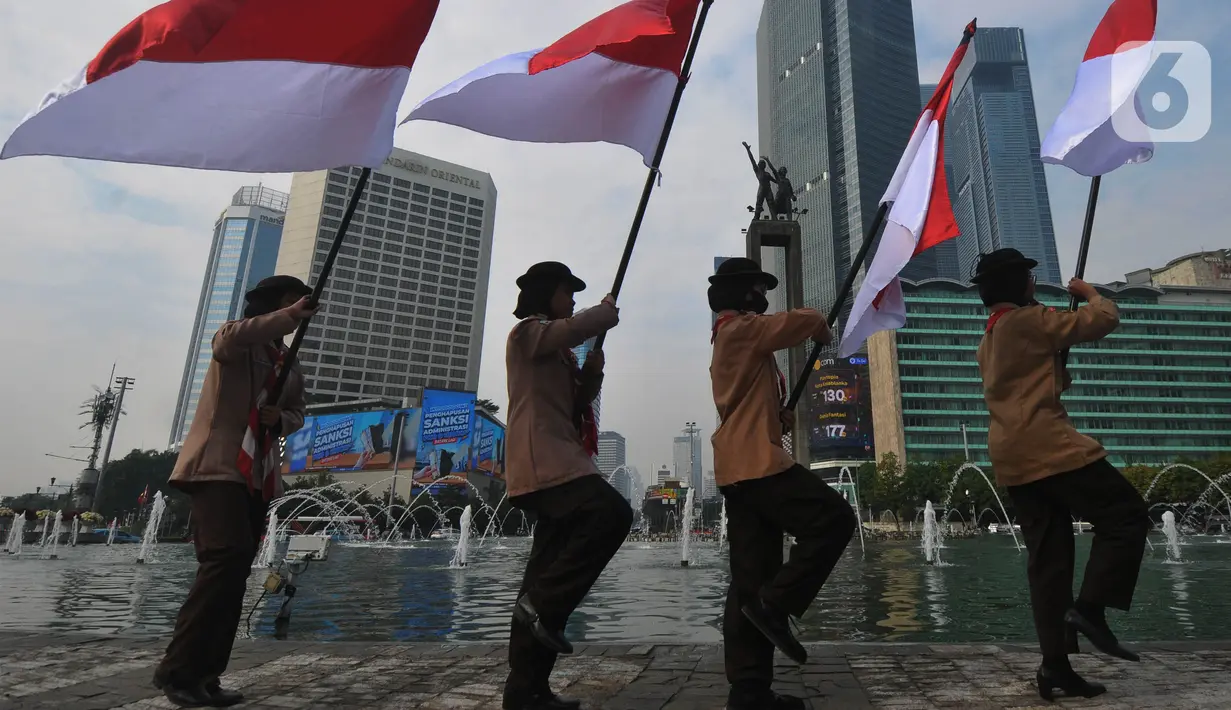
(921, 216)
(145, 496)
(1085, 137)
(244, 85)
(610, 80)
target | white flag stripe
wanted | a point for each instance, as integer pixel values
(898, 241)
(1083, 138)
(908, 157)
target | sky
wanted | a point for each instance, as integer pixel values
(101, 263)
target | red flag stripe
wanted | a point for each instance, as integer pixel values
(1128, 22)
(648, 33)
(373, 34)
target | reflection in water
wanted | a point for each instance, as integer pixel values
(364, 593)
(901, 592)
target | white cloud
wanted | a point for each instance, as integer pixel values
(102, 263)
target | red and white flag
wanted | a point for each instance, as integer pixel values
(244, 85)
(921, 216)
(1084, 137)
(610, 80)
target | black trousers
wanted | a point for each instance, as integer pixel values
(581, 524)
(795, 501)
(227, 525)
(1045, 508)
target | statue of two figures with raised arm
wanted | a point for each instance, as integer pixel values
(780, 203)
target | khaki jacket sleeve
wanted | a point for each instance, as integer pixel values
(231, 339)
(784, 330)
(1091, 322)
(538, 338)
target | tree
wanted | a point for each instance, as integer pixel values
(487, 405)
(126, 479)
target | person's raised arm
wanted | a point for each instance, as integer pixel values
(1091, 322)
(788, 329)
(234, 336)
(543, 337)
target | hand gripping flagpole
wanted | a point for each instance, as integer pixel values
(1083, 251)
(650, 179)
(319, 287)
(844, 293)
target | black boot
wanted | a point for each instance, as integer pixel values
(1089, 620)
(183, 695)
(1051, 679)
(776, 627)
(525, 613)
(763, 699)
(221, 697)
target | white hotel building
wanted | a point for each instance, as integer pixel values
(404, 306)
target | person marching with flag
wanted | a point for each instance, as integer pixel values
(230, 466)
(1052, 471)
(767, 493)
(552, 441)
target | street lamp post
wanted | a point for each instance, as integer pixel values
(965, 443)
(124, 383)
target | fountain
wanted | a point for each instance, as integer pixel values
(76, 530)
(42, 541)
(854, 504)
(111, 531)
(931, 535)
(150, 538)
(16, 534)
(1173, 537)
(722, 524)
(55, 537)
(686, 531)
(953, 484)
(463, 540)
(269, 548)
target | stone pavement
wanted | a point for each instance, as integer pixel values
(93, 672)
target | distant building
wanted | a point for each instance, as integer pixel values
(663, 475)
(1155, 390)
(686, 455)
(1206, 269)
(710, 486)
(611, 451)
(247, 236)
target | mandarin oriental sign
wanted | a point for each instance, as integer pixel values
(422, 169)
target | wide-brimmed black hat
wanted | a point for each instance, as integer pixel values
(1000, 261)
(746, 270)
(549, 272)
(278, 285)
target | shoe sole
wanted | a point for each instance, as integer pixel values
(1121, 653)
(799, 655)
(541, 634)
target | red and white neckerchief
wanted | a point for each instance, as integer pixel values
(781, 377)
(998, 314)
(258, 443)
(587, 424)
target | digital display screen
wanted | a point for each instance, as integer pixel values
(839, 409)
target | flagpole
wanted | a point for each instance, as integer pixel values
(1083, 251)
(319, 287)
(839, 302)
(650, 179)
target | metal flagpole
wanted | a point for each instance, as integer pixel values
(843, 293)
(319, 288)
(1083, 251)
(658, 157)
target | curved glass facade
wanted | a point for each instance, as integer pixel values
(1157, 389)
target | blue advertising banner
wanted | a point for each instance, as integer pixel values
(487, 449)
(352, 442)
(445, 435)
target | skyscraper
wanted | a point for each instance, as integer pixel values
(993, 150)
(405, 304)
(837, 98)
(611, 451)
(244, 251)
(686, 458)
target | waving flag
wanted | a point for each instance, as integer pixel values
(246, 85)
(145, 496)
(610, 80)
(921, 216)
(1117, 59)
